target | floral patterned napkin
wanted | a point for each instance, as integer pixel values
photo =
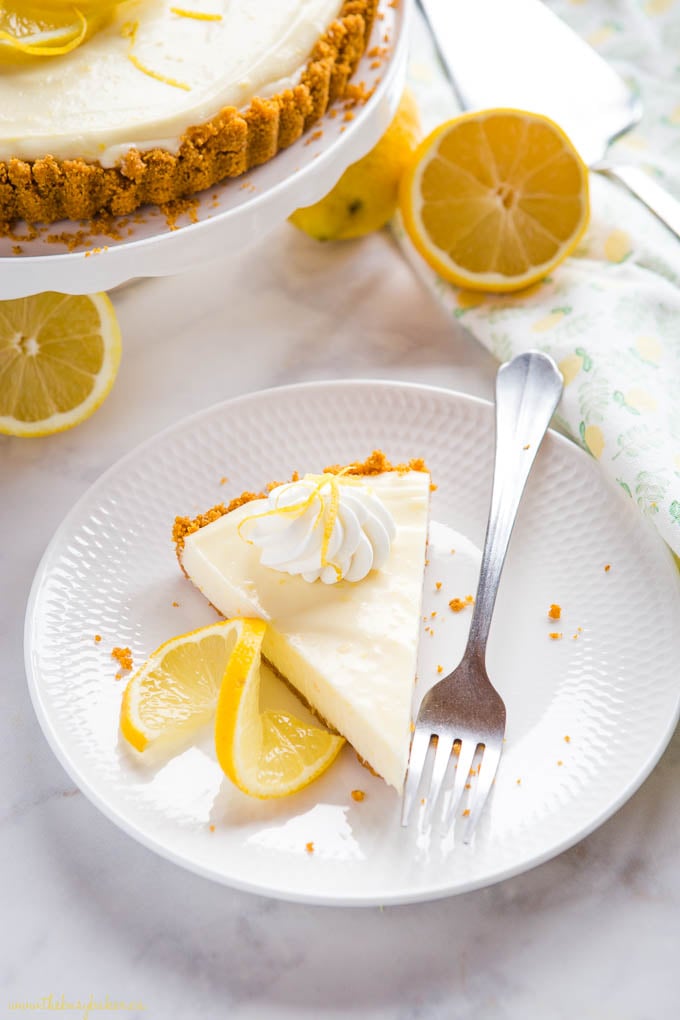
(609, 315)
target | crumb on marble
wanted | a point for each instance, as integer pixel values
(309, 847)
(555, 611)
(358, 795)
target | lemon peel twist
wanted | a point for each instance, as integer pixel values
(328, 510)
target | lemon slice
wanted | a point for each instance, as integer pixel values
(176, 689)
(59, 357)
(495, 199)
(267, 754)
(40, 30)
(49, 28)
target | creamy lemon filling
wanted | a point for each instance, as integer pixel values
(349, 648)
(153, 72)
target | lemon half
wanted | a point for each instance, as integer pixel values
(495, 199)
(59, 356)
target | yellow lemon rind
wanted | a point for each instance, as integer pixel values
(229, 722)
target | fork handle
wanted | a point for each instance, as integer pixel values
(528, 390)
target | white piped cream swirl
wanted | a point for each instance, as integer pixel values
(322, 527)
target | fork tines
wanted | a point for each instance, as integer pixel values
(463, 751)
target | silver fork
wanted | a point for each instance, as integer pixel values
(464, 710)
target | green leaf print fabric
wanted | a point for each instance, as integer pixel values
(610, 314)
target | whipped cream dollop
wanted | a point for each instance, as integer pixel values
(322, 527)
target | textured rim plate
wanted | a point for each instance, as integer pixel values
(111, 570)
(228, 215)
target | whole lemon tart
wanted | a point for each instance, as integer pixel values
(107, 106)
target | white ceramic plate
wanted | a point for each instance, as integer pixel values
(111, 570)
(227, 216)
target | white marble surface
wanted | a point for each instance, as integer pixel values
(87, 911)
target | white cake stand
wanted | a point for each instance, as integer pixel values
(229, 215)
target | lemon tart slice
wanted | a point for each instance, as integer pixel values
(336, 569)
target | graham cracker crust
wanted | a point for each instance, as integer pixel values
(46, 190)
(375, 464)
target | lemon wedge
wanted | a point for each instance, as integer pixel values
(176, 689)
(59, 356)
(495, 199)
(267, 754)
(180, 686)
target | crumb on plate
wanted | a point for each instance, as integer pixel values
(457, 605)
(123, 657)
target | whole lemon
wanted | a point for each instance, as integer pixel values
(366, 196)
